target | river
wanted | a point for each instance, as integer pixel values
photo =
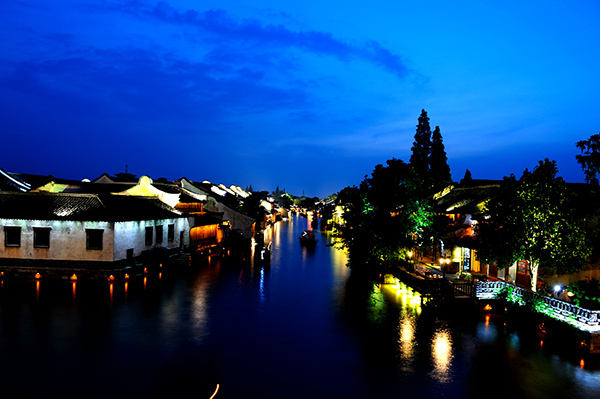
(301, 327)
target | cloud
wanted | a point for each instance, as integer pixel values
(258, 35)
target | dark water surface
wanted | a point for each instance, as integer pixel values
(302, 327)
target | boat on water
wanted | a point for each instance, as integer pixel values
(308, 238)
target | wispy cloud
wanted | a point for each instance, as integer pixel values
(253, 32)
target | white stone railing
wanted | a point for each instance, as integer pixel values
(583, 319)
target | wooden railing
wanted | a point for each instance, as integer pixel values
(583, 319)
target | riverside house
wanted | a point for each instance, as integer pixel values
(41, 230)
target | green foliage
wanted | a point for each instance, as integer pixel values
(587, 293)
(534, 219)
(508, 295)
(387, 214)
(536, 304)
(392, 209)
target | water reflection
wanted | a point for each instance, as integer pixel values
(293, 329)
(407, 341)
(441, 353)
(261, 288)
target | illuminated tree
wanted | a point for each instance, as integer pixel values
(590, 157)
(384, 217)
(533, 219)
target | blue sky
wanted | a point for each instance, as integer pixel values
(309, 96)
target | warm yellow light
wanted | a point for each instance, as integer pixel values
(487, 307)
(410, 254)
(74, 277)
(216, 390)
(111, 278)
(126, 276)
(145, 270)
(37, 275)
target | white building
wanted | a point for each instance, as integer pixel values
(87, 229)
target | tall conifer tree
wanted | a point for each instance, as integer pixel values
(438, 161)
(421, 148)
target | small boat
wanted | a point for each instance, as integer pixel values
(264, 254)
(308, 238)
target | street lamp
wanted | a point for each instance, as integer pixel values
(410, 254)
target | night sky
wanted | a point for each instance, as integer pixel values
(309, 95)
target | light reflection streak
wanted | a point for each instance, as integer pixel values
(441, 351)
(37, 290)
(74, 290)
(214, 394)
(261, 289)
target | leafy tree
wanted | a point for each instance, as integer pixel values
(438, 161)
(533, 219)
(421, 148)
(385, 216)
(589, 159)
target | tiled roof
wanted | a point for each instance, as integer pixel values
(82, 207)
(464, 199)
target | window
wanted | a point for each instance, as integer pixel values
(149, 235)
(159, 234)
(171, 232)
(41, 237)
(93, 239)
(12, 236)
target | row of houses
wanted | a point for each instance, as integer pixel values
(108, 222)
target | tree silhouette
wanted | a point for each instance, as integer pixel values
(438, 161)
(421, 148)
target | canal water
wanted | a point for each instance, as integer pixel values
(301, 327)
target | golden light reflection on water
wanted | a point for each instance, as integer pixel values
(409, 299)
(406, 338)
(441, 353)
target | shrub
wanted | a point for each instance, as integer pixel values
(587, 293)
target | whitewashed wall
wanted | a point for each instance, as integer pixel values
(67, 240)
(133, 235)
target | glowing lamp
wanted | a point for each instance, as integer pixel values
(37, 275)
(126, 276)
(557, 288)
(74, 277)
(145, 270)
(487, 307)
(111, 278)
